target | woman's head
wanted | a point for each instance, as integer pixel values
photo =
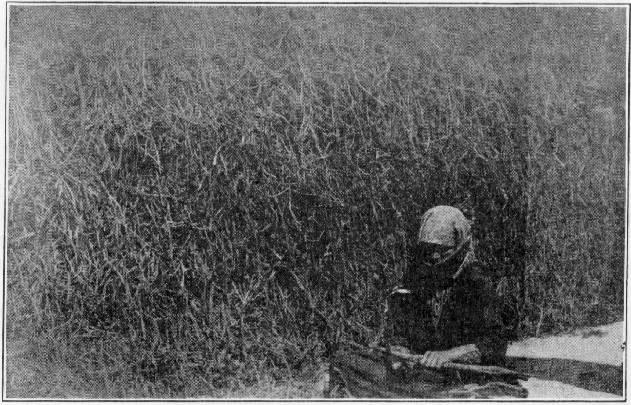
(444, 226)
(444, 240)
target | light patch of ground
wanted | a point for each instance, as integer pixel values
(603, 344)
(31, 377)
(311, 385)
(545, 389)
(35, 374)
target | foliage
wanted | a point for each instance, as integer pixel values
(200, 186)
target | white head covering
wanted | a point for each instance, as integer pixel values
(444, 225)
(447, 226)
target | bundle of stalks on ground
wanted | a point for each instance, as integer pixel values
(192, 190)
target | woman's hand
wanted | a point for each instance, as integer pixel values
(435, 359)
(465, 354)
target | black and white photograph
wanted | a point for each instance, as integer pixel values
(315, 201)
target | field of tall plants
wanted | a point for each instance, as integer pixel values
(221, 194)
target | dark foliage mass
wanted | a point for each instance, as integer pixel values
(227, 191)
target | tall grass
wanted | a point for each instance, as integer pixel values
(226, 192)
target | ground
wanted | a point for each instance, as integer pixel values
(603, 345)
(31, 376)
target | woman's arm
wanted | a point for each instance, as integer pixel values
(498, 327)
(482, 321)
(408, 323)
(461, 354)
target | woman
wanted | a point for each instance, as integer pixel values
(447, 311)
(447, 308)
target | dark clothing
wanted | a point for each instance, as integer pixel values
(367, 374)
(433, 312)
(468, 312)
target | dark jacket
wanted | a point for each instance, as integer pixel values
(469, 312)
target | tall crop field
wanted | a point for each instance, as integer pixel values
(223, 193)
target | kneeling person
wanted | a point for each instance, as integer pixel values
(446, 308)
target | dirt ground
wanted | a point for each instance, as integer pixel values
(28, 376)
(601, 345)
(33, 375)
